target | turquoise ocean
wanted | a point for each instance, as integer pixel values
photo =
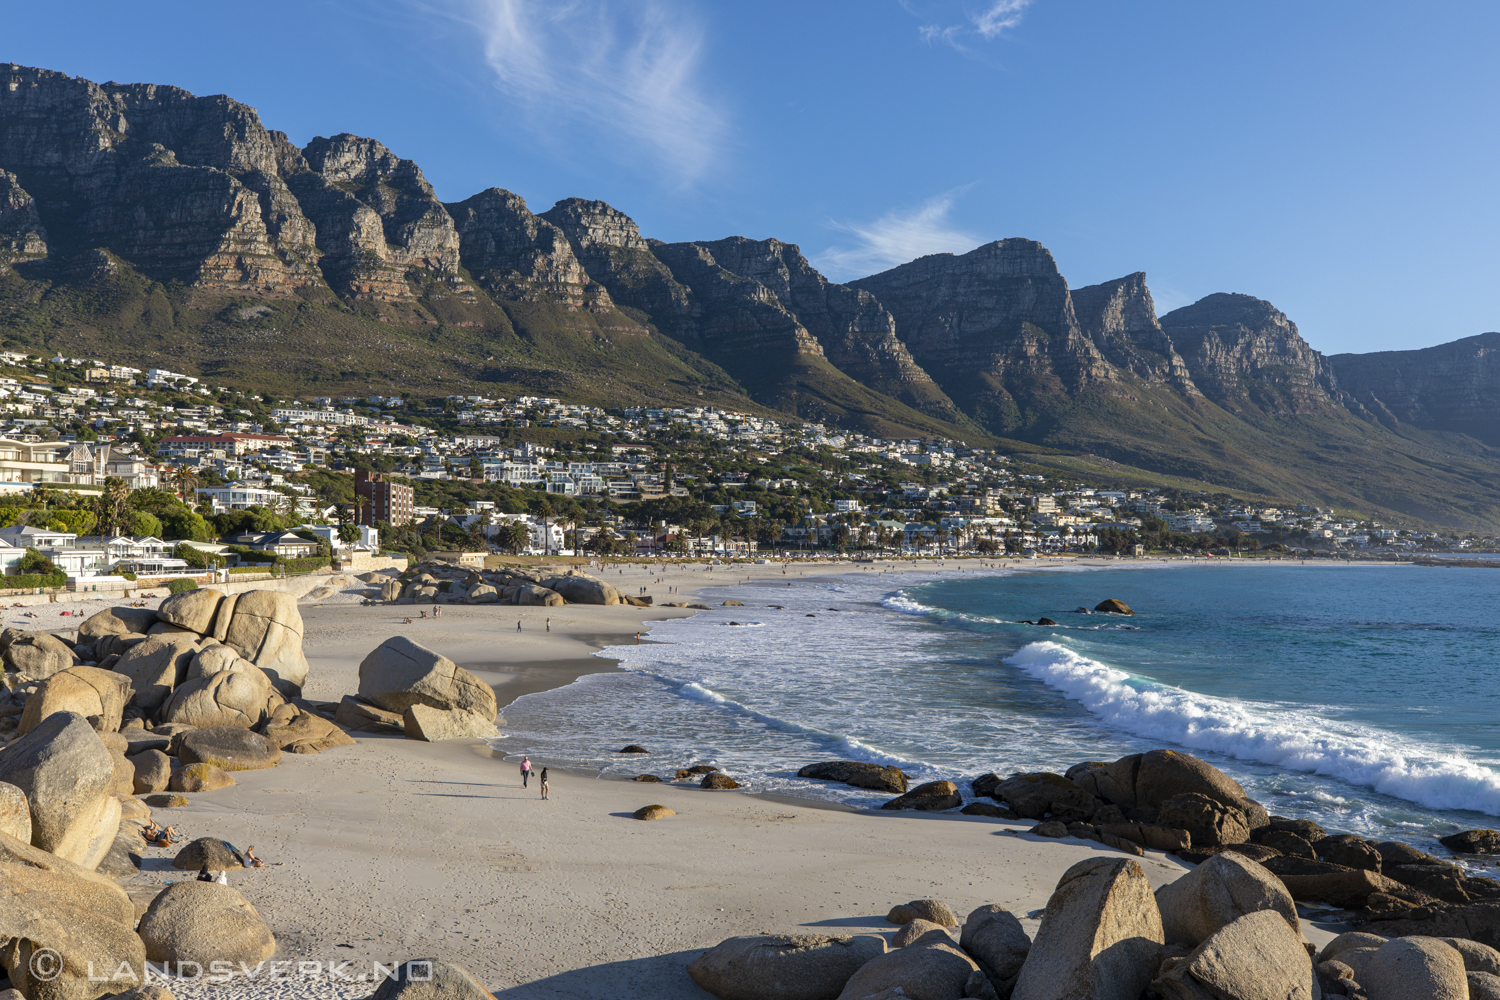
(1366, 698)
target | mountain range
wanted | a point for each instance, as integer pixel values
(149, 226)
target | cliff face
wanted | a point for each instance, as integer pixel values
(1244, 352)
(1451, 387)
(22, 235)
(995, 327)
(517, 255)
(857, 334)
(1120, 317)
(612, 251)
(184, 187)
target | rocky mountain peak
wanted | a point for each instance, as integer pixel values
(608, 244)
(1244, 351)
(518, 255)
(22, 234)
(1120, 317)
(595, 223)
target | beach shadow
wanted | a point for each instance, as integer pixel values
(434, 781)
(877, 921)
(157, 865)
(658, 977)
(458, 795)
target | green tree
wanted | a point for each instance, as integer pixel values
(33, 562)
(112, 508)
(186, 524)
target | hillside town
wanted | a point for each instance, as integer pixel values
(229, 480)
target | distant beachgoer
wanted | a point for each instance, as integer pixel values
(251, 859)
(525, 771)
(223, 878)
(518, 626)
(545, 787)
(408, 621)
(423, 614)
(204, 875)
(549, 624)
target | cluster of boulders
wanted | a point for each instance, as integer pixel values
(1227, 930)
(1169, 801)
(405, 687)
(443, 583)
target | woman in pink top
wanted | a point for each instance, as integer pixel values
(525, 771)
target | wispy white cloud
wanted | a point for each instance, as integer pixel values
(601, 79)
(989, 23)
(897, 237)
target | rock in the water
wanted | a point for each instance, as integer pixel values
(1099, 939)
(97, 695)
(15, 813)
(204, 922)
(199, 778)
(208, 851)
(1038, 794)
(858, 774)
(783, 967)
(1218, 892)
(1472, 842)
(931, 796)
(1410, 967)
(38, 655)
(228, 748)
(1113, 606)
(422, 722)
(1349, 851)
(399, 673)
(933, 910)
(932, 970)
(61, 924)
(193, 610)
(68, 779)
(1254, 957)
(993, 937)
(633, 748)
(242, 698)
(718, 780)
(654, 812)
(153, 769)
(646, 777)
(430, 979)
(733, 604)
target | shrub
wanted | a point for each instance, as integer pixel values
(129, 576)
(194, 557)
(181, 586)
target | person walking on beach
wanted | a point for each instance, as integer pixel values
(525, 771)
(518, 626)
(545, 787)
(549, 624)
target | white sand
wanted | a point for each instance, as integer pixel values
(396, 849)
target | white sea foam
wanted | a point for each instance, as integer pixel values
(1294, 738)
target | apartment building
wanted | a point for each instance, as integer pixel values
(386, 501)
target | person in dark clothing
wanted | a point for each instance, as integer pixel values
(204, 875)
(545, 786)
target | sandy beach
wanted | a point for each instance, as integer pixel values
(395, 849)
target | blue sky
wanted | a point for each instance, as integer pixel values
(1336, 158)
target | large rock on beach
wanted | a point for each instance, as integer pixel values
(228, 748)
(15, 813)
(1321, 882)
(422, 722)
(1218, 892)
(933, 910)
(1041, 794)
(266, 629)
(881, 778)
(994, 938)
(1146, 781)
(932, 796)
(214, 658)
(654, 812)
(199, 778)
(211, 852)
(68, 779)
(399, 673)
(1099, 938)
(204, 922)
(116, 621)
(38, 655)
(156, 666)
(97, 695)
(930, 970)
(1472, 842)
(298, 731)
(1254, 957)
(1411, 967)
(784, 967)
(581, 588)
(358, 715)
(534, 596)
(243, 698)
(430, 979)
(193, 610)
(153, 769)
(64, 931)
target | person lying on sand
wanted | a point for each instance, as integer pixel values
(164, 838)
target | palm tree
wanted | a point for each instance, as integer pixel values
(185, 478)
